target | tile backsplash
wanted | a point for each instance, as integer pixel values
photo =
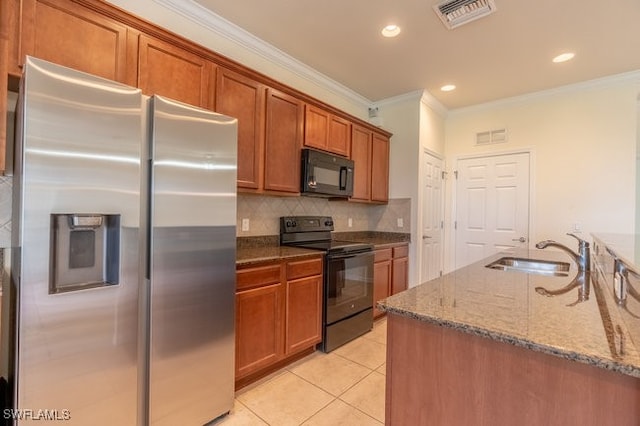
(263, 213)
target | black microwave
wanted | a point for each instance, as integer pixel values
(326, 175)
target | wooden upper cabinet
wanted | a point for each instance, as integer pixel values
(326, 131)
(361, 156)
(69, 34)
(339, 135)
(379, 168)
(283, 142)
(167, 70)
(370, 153)
(243, 98)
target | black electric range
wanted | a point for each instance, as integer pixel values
(348, 277)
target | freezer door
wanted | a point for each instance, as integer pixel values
(192, 263)
(79, 153)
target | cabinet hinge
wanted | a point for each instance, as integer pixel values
(455, 173)
(444, 175)
(440, 273)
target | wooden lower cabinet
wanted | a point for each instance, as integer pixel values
(390, 273)
(258, 328)
(278, 314)
(400, 268)
(303, 313)
(381, 278)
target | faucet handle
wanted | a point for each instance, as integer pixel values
(583, 243)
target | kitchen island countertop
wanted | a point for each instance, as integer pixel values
(505, 306)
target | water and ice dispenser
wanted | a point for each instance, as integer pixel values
(85, 251)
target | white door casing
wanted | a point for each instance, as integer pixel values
(432, 213)
(492, 205)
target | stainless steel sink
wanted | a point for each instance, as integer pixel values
(531, 266)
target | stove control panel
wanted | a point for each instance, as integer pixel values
(290, 224)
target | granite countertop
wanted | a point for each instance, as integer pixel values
(251, 250)
(505, 306)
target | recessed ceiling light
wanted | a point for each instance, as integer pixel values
(391, 30)
(564, 57)
(448, 87)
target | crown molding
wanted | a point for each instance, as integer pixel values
(233, 33)
(421, 96)
(630, 77)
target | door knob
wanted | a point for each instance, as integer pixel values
(521, 239)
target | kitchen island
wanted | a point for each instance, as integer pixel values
(480, 346)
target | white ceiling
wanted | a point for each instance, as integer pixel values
(507, 53)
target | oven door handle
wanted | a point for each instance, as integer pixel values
(348, 255)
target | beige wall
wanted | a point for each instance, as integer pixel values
(402, 116)
(583, 140)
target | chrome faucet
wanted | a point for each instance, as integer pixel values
(582, 258)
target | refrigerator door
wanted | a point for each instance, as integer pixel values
(78, 153)
(192, 263)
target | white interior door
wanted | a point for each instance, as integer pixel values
(492, 206)
(431, 262)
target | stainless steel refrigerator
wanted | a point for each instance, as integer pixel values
(124, 268)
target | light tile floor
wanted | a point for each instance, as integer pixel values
(344, 387)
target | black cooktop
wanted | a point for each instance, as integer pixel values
(314, 232)
(335, 246)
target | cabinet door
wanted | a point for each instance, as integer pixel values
(68, 34)
(339, 135)
(400, 278)
(258, 328)
(167, 70)
(379, 168)
(381, 284)
(283, 142)
(243, 98)
(361, 156)
(326, 131)
(316, 127)
(303, 313)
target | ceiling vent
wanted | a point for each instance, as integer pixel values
(491, 137)
(454, 13)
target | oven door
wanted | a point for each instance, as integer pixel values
(349, 285)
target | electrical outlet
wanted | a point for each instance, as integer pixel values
(400, 222)
(245, 224)
(350, 223)
(577, 227)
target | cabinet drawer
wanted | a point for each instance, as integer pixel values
(382, 255)
(402, 251)
(304, 268)
(257, 277)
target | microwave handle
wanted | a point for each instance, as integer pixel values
(343, 178)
